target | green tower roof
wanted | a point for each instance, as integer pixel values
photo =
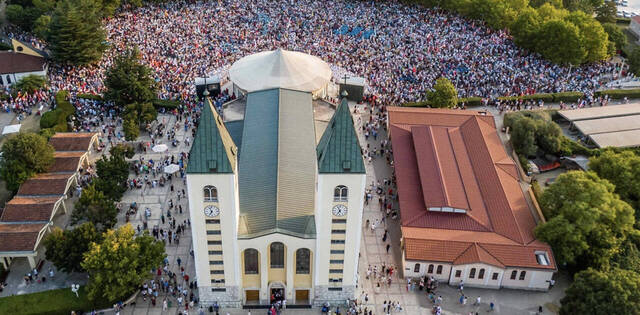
(210, 150)
(339, 150)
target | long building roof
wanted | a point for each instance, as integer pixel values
(455, 179)
(600, 112)
(277, 165)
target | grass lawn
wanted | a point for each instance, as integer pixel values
(61, 301)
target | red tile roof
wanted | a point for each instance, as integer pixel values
(45, 184)
(72, 141)
(21, 209)
(13, 62)
(455, 179)
(66, 162)
(19, 237)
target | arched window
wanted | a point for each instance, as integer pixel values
(277, 255)
(430, 270)
(251, 261)
(416, 268)
(439, 270)
(340, 193)
(481, 274)
(523, 274)
(514, 274)
(303, 261)
(472, 273)
(210, 193)
(8, 79)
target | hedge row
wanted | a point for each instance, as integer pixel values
(168, 104)
(468, 101)
(618, 94)
(90, 97)
(547, 97)
(57, 118)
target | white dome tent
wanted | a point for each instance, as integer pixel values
(280, 69)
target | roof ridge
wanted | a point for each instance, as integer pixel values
(490, 254)
(519, 237)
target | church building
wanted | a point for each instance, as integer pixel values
(275, 204)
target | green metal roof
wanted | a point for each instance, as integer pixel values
(235, 130)
(208, 154)
(271, 153)
(339, 150)
(258, 165)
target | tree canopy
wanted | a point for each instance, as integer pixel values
(532, 131)
(93, 206)
(128, 81)
(614, 291)
(120, 263)
(76, 35)
(31, 83)
(24, 155)
(66, 248)
(112, 174)
(623, 170)
(586, 221)
(444, 94)
(563, 32)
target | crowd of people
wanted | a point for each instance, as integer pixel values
(400, 56)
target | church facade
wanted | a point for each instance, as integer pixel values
(276, 213)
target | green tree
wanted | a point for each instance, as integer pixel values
(606, 13)
(66, 248)
(131, 129)
(560, 42)
(596, 292)
(93, 206)
(112, 174)
(615, 35)
(24, 155)
(444, 94)
(31, 83)
(586, 6)
(634, 61)
(593, 38)
(523, 136)
(623, 170)
(526, 28)
(41, 26)
(128, 81)
(122, 150)
(120, 263)
(76, 35)
(586, 221)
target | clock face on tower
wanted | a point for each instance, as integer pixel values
(211, 211)
(339, 210)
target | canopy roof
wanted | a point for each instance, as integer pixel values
(280, 69)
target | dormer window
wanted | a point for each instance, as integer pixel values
(542, 258)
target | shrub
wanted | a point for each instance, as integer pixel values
(49, 119)
(90, 97)
(57, 118)
(618, 94)
(547, 97)
(471, 101)
(168, 104)
(416, 104)
(567, 96)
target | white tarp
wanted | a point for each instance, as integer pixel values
(160, 148)
(11, 129)
(171, 168)
(280, 69)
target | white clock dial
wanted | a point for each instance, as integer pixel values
(339, 210)
(211, 211)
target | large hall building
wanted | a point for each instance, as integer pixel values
(275, 204)
(464, 214)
